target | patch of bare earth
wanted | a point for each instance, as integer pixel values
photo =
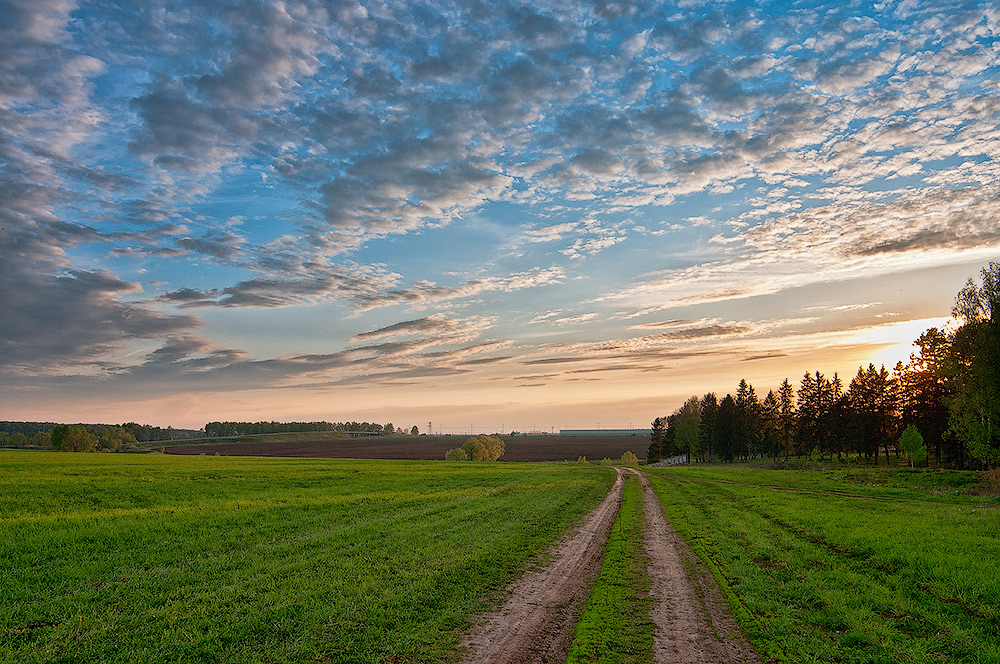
(535, 624)
(693, 622)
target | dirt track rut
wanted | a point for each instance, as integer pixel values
(535, 624)
(693, 624)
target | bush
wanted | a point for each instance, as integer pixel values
(582, 459)
(457, 454)
(607, 462)
(990, 482)
(475, 449)
(630, 459)
(912, 443)
(484, 448)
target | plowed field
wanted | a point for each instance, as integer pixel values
(519, 448)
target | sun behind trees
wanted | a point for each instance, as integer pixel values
(948, 394)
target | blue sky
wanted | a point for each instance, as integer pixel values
(483, 214)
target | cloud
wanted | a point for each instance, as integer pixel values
(73, 323)
(59, 318)
(781, 147)
(574, 320)
(224, 246)
(669, 324)
(835, 242)
(717, 330)
(551, 233)
(425, 293)
(326, 281)
(436, 329)
(418, 326)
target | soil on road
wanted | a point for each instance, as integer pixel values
(693, 621)
(535, 625)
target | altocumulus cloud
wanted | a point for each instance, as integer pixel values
(767, 147)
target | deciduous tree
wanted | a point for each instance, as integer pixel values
(974, 405)
(456, 454)
(74, 438)
(484, 448)
(685, 424)
(912, 443)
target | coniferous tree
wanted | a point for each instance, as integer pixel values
(863, 414)
(924, 393)
(706, 427)
(657, 432)
(770, 415)
(787, 417)
(670, 447)
(727, 428)
(832, 426)
(747, 433)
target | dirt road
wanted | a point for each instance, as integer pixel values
(693, 621)
(535, 625)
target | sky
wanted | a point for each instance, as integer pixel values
(482, 216)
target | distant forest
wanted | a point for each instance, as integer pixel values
(106, 437)
(249, 428)
(943, 404)
(118, 437)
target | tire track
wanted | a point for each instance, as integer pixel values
(693, 623)
(535, 624)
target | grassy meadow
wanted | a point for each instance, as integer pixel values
(847, 565)
(141, 558)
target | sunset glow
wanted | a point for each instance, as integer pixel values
(527, 216)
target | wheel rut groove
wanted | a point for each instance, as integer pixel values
(692, 622)
(535, 624)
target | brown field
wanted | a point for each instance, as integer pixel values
(519, 448)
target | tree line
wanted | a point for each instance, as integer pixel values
(105, 437)
(215, 429)
(944, 402)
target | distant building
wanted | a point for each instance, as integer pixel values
(643, 433)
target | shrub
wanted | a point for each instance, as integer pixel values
(484, 448)
(607, 462)
(990, 481)
(630, 459)
(912, 443)
(457, 454)
(475, 449)
(582, 459)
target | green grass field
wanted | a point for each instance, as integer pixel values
(847, 566)
(128, 558)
